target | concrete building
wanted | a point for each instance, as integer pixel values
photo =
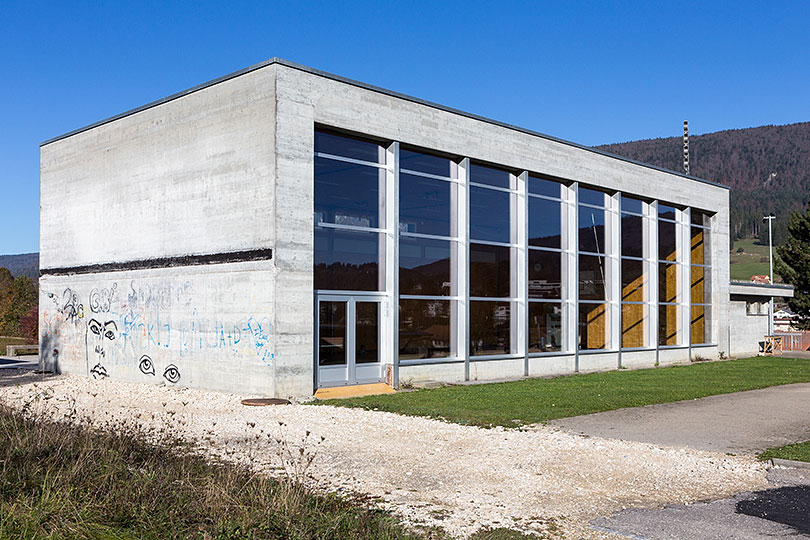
(282, 229)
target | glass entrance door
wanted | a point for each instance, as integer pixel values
(348, 340)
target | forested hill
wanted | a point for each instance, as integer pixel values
(24, 264)
(743, 159)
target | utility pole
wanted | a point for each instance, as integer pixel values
(769, 219)
(686, 147)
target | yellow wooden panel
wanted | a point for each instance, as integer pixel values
(633, 325)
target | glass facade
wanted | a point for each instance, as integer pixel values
(492, 263)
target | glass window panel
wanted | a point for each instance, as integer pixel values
(424, 266)
(487, 175)
(667, 282)
(591, 277)
(545, 223)
(347, 260)
(701, 285)
(634, 281)
(592, 326)
(667, 324)
(699, 326)
(591, 229)
(417, 161)
(489, 271)
(545, 274)
(332, 333)
(632, 236)
(490, 330)
(541, 186)
(699, 218)
(591, 196)
(545, 327)
(424, 205)
(666, 241)
(367, 332)
(630, 204)
(424, 329)
(344, 146)
(634, 324)
(346, 193)
(666, 212)
(700, 246)
(489, 215)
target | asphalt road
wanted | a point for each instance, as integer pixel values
(741, 423)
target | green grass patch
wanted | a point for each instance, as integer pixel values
(530, 401)
(60, 481)
(793, 452)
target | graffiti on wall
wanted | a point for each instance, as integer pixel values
(149, 322)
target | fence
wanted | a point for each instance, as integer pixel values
(794, 341)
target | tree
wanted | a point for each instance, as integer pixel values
(793, 264)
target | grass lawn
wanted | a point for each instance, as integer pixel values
(794, 452)
(747, 264)
(530, 401)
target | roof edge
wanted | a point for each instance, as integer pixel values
(307, 69)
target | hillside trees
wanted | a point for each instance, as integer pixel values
(793, 264)
(18, 299)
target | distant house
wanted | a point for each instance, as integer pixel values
(760, 279)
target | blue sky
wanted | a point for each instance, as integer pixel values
(591, 72)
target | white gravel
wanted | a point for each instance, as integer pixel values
(428, 472)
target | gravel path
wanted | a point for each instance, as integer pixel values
(432, 473)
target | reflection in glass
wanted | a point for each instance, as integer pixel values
(541, 186)
(700, 325)
(424, 205)
(489, 271)
(591, 277)
(667, 282)
(489, 328)
(632, 236)
(424, 329)
(347, 260)
(425, 163)
(346, 193)
(700, 246)
(545, 274)
(701, 292)
(667, 324)
(699, 218)
(367, 333)
(634, 323)
(666, 241)
(666, 212)
(424, 266)
(545, 223)
(591, 196)
(341, 145)
(633, 280)
(545, 327)
(592, 326)
(630, 204)
(331, 333)
(487, 175)
(489, 215)
(591, 230)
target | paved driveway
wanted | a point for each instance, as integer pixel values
(741, 423)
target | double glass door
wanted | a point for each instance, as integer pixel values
(348, 340)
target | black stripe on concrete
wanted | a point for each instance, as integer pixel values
(162, 262)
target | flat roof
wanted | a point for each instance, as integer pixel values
(761, 289)
(280, 61)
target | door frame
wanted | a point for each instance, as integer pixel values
(351, 299)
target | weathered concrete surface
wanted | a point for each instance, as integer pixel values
(780, 512)
(740, 423)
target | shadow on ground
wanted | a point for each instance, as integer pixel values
(787, 505)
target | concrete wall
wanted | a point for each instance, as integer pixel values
(193, 176)
(747, 331)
